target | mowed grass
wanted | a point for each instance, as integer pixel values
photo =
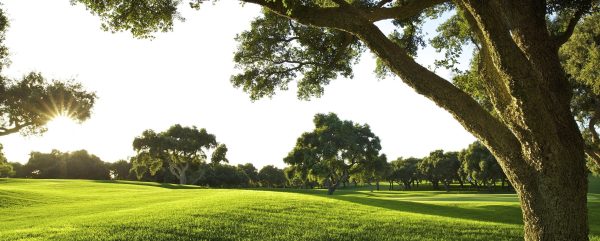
(97, 210)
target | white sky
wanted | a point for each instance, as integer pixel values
(183, 77)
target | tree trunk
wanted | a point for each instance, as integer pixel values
(331, 189)
(552, 212)
(377, 184)
(182, 179)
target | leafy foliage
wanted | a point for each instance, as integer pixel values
(28, 103)
(179, 148)
(277, 50)
(335, 149)
(6, 169)
(404, 171)
(271, 176)
(478, 165)
(140, 17)
(72, 165)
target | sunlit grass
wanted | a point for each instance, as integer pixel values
(94, 210)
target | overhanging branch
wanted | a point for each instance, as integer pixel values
(563, 37)
(408, 10)
(360, 23)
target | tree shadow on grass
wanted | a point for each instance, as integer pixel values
(151, 184)
(497, 213)
(488, 213)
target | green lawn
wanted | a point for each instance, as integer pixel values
(96, 210)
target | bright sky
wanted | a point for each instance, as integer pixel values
(183, 77)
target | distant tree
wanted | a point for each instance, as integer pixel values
(224, 175)
(27, 104)
(250, 171)
(294, 179)
(180, 149)
(6, 169)
(19, 169)
(271, 176)
(46, 165)
(82, 165)
(448, 168)
(120, 170)
(428, 170)
(404, 171)
(75, 165)
(440, 167)
(335, 149)
(374, 171)
(219, 155)
(480, 166)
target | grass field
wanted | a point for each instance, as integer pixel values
(97, 210)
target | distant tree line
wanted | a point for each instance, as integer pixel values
(337, 153)
(82, 165)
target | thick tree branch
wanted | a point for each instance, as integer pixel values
(16, 128)
(466, 110)
(405, 11)
(383, 3)
(408, 10)
(563, 37)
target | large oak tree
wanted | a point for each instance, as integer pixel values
(181, 150)
(527, 123)
(336, 149)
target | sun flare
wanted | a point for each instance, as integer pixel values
(61, 130)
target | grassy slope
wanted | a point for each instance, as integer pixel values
(90, 210)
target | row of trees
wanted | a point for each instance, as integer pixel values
(57, 164)
(338, 152)
(474, 165)
(82, 165)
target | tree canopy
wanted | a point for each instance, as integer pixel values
(180, 149)
(271, 176)
(479, 166)
(28, 103)
(73, 165)
(335, 149)
(6, 169)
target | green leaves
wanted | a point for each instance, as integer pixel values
(177, 148)
(581, 55)
(219, 154)
(277, 51)
(6, 169)
(140, 17)
(335, 148)
(26, 105)
(478, 164)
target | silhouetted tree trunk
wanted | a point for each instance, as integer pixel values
(447, 185)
